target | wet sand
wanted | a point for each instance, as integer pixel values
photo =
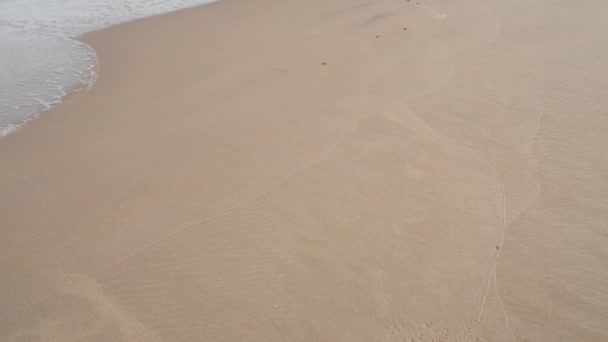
(320, 171)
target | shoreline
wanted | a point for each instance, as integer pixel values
(277, 170)
(68, 89)
(88, 39)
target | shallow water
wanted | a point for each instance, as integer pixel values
(41, 60)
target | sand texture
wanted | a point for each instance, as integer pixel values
(315, 170)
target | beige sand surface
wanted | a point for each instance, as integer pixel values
(271, 170)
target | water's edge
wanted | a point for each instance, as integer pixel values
(45, 62)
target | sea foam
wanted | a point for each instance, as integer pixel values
(41, 60)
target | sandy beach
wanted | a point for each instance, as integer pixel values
(268, 170)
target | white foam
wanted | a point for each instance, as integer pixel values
(41, 60)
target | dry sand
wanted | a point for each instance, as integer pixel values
(311, 171)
